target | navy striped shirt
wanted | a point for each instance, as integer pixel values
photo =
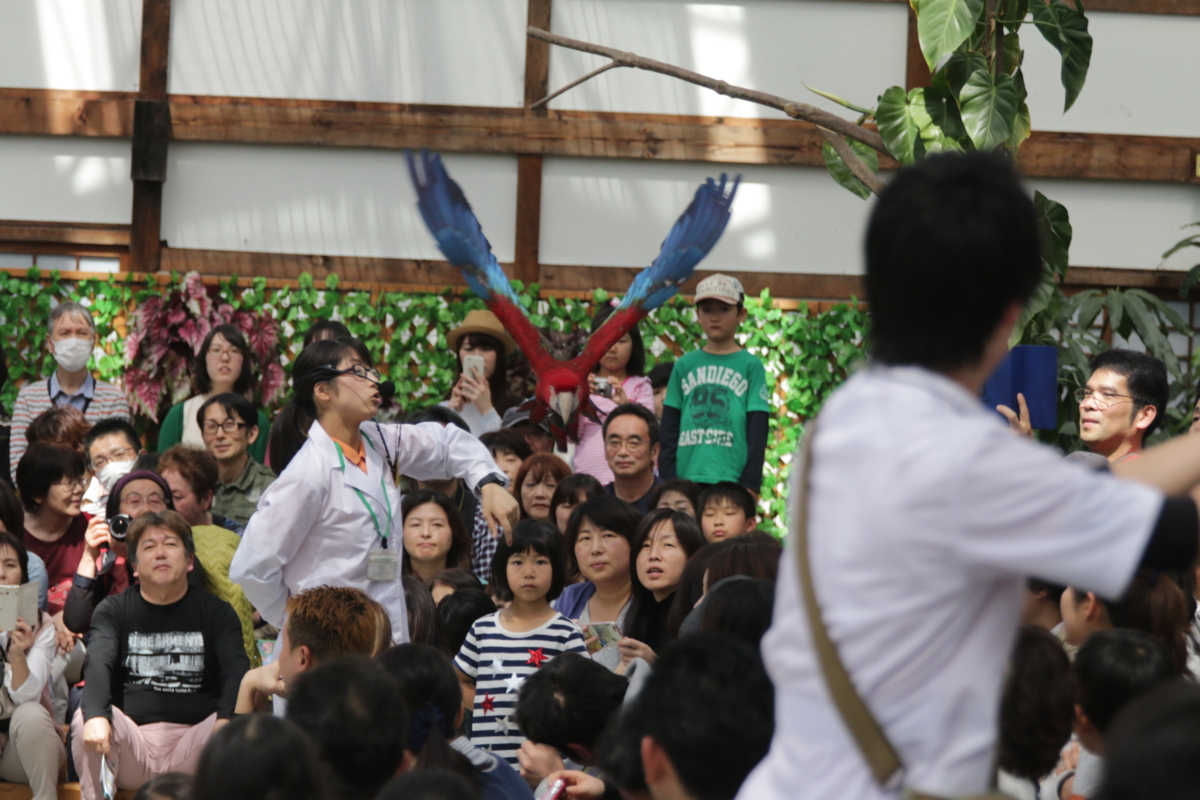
(499, 661)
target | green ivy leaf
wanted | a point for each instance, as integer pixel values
(989, 108)
(1067, 30)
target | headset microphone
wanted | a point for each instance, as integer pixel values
(387, 390)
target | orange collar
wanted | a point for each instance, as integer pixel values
(356, 457)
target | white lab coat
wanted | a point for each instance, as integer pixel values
(313, 529)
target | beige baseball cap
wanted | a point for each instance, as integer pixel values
(720, 287)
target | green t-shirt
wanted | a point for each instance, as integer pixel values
(714, 394)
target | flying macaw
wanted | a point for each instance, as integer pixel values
(562, 386)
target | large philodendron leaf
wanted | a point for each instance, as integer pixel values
(842, 174)
(942, 25)
(1066, 29)
(1055, 225)
(900, 131)
(1022, 128)
(941, 124)
(989, 108)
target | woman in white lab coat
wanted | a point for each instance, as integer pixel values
(332, 518)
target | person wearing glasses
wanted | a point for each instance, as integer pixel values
(230, 428)
(111, 446)
(333, 515)
(225, 363)
(1122, 404)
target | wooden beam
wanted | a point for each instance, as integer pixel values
(151, 130)
(71, 233)
(916, 69)
(537, 55)
(529, 167)
(1186, 8)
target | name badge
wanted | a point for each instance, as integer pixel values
(382, 565)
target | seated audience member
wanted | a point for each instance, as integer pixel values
(51, 480)
(755, 555)
(481, 397)
(662, 545)
(429, 784)
(739, 606)
(164, 665)
(224, 364)
(1111, 669)
(258, 757)
(564, 709)
(457, 612)
(536, 481)
(631, 447)
(599, 545)
(1036, 712)
(229, 429)
(111, 447)
(323, 624)
(12, 520)
(679, 494)
(434, 698)
(355, 715)
(423, 627)
(434, 537)
(690, 591)
(537, 435)
(71, 341)
(172, 786)
(192, 474)
(1122, 404)
(1043, 604)
(34, 752)
(505, 648)
(509, 450)
(660, 379)
(573, 490)
(449, 581)
(726, 510)
(63, 425)
(1152, 749)
(324, 329)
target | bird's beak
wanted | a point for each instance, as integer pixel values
(564, 404)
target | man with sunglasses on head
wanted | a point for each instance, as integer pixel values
(1122, 404)
(229, 424)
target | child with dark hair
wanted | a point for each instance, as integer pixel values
(1152, 750)
(679, 494)
(458, 612)
(503, 649)
(572, 491)
(660, 378)
(509, 449)
(449, 581)
(254, 757)
(726, 510)
(741, 607)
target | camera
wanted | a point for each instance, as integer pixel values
(118, 526)
(603, 387)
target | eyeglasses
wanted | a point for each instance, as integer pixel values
(135, 501)
(359, 371)
(1102, 398)
(219, 352)
(71, 483)
(124, 454)
(229, 426)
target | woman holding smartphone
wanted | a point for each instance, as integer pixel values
(480, 394)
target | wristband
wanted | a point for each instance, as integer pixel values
(495, 477)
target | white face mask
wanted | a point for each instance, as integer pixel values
(113, 471)
(73, 354)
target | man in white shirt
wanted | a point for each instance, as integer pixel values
(926, 516)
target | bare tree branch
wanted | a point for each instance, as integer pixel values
(856, 164)
(793, 109)
(573, 84)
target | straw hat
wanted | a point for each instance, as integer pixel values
(482, 321)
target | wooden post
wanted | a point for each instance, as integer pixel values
(526, 266)
(151, 131)
(916, 71)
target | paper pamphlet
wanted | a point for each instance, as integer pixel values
(18, 601)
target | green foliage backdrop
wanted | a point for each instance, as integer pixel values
(806, 354)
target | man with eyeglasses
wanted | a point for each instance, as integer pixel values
(631, 448)
(229, 424)
(1122, 403)
(112, 447)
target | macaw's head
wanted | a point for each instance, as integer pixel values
(562, 392)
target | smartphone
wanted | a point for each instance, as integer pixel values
(555, 791)
(473, 364)
(606, 633)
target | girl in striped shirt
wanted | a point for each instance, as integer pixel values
(505, 648)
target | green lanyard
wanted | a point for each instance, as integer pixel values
(382, 485)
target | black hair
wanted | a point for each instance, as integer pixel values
(257, 757)
(354, 713)
(755, 555)
(146, 462)
(288, 434)
(457, 579)
(15, 541)
(569, 701)
(1146, 378)
(433, 694)
(459, 554)
(741, 607)
(12, 513)
(506, 440)
(1037, 709)
(607, 513)
(573, 490)
(245, 380)
(439, 414)
(458, 612)
(1054, 591)
(43, 465)
(423, 627)
(642, 622)
(620, 756)
(637, 354)
(332, 327)
(952, 243)
(691, 584)
(1155, 604)
(317, 364)
(1113, 667)
(498, 383)
(108, 426)
(683, 486)
(177, 786)
(529, 534)
(429, 784)
(645, 414)
(234, 405)
(660, 375)
(709, 693)
(1151, 748)
(727, 491)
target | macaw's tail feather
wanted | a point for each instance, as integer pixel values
(694, 234)
(453, 224)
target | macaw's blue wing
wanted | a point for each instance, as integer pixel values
(693, 236)
(450, 219)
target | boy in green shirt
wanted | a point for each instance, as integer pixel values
(715, 415)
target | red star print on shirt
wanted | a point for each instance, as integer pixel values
(536, 657)
(489, 703)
